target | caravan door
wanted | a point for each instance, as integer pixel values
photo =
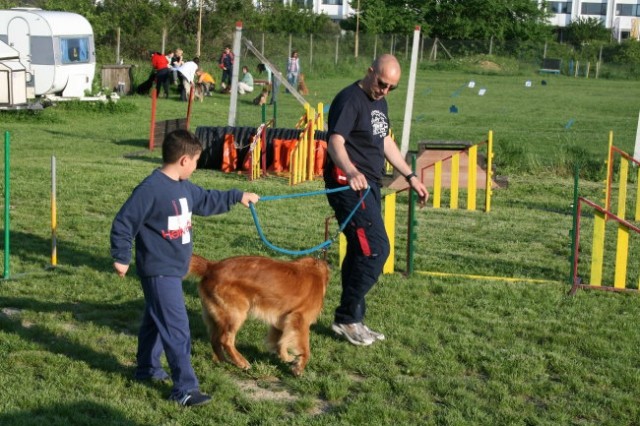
(18, 37)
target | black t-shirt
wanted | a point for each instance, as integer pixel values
(364, 124)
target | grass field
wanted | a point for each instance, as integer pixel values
(459, 350)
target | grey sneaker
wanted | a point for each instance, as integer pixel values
(355, 333)
(374, 334)
(192, 399)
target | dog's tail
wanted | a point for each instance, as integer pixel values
(198, 265)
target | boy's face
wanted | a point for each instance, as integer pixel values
(187, 165)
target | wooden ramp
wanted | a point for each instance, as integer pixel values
(425, 169)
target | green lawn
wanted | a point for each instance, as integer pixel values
(459, 350)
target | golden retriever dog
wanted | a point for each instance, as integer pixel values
(286, 295)
(302, 86)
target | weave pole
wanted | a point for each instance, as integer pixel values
(7, 218)
(54, 219)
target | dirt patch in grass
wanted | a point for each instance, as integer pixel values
(270, 389)
(490, 66)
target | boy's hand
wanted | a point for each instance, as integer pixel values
(249, 197)
(120, 268)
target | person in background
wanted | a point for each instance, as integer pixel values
(293, 69)
(187, 76)
(246, 84)
(176, 62)
(157, 216)
(226, 65)
(162, 71)
(205, 83)
(359, 143)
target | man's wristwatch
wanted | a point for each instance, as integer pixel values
(409, 176)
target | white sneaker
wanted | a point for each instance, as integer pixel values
(355, 333)
(374, 334)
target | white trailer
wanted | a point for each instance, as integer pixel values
(57, 49)
(13, 78)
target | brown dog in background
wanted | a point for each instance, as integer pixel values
(286, 295)
(261, 99)
(302, 86)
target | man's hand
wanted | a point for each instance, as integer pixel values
(421, 190)
(357, 181)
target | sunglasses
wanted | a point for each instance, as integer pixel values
(384, 86)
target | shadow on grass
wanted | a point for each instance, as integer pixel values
(11, 321)
(138, 143)
(85, 412)
(31, 248)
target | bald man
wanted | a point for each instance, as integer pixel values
(359, 143)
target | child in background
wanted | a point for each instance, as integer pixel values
(157, 216)
(205, 83)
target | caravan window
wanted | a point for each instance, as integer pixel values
(74, 50)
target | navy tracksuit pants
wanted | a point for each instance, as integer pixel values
(367, 250)
(165, 327)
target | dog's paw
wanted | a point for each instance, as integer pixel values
(297, 370)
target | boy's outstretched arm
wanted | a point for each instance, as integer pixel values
(249, 197)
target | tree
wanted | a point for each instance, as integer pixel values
(385, 16)
(584, 31)
(482, 19)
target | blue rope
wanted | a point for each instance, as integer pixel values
(305, 194)
(312, 249)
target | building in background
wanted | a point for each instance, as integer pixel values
(621, 16)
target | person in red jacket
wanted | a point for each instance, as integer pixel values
(162, 70)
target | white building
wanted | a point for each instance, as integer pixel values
(621, 16)
(337, 10)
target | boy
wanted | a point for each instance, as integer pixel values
(158, 216)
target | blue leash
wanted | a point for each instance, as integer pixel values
(320, 246)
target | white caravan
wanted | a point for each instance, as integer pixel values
(56, 48)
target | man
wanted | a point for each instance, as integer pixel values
(359, 142)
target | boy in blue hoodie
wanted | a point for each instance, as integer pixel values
(157, 216)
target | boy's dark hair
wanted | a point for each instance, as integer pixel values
(262, 68)
(178, 143)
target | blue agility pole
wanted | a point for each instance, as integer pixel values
(320, 246)
(5, 274)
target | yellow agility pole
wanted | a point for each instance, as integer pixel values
(487, 187)
(607, 189)
(390, 226)
(455, 177)
(472, 177)
(437, 184)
